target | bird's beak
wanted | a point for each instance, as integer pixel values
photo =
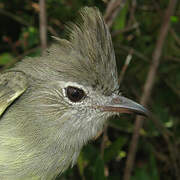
(122, 104)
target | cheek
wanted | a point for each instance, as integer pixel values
(96, 123)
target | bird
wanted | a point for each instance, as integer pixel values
(54, 104)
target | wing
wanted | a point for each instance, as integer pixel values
(12, 85)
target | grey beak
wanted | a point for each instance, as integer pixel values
(124, 105)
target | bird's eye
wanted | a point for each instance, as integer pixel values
(75, 94)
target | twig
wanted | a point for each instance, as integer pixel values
(126, 29)
(113, 7)
(176, 91)
(175, 36)
(125, 66)
(14, 17)
(104, 140)
(132, 11)
(23, 22)
(112, 10)
(172, 58)
(148, 88)
(167, 135)
(132, 18)
(135, 52)
(43, 24)
(52, 31)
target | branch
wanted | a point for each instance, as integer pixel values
(134, 52)
(149, 85)
(175, 36)
(104, 140)
(14, 17)
(125, 66)
(126, 29)
(112, 10)
(43, 24)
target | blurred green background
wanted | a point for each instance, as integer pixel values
(134, 31)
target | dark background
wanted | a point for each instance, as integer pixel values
(135, 32)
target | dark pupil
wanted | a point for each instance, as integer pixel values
(74, 94)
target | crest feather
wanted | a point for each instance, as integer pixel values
(87, 57)
(90, 31)
(90, 36)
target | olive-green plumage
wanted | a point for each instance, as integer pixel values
(50, 106)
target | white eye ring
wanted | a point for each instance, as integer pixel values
(65, 85)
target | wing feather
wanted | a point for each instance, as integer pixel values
(12, 85)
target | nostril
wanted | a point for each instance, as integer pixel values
(116, 100)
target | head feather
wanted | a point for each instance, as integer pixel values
(87, 57)
(91, 38)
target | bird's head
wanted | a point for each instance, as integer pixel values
(75, 83)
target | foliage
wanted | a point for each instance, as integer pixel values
(19, 37)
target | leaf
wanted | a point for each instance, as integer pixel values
(80, 164)
(148, 169)
(5, 58)
(99, 169)
(90, 152)
(154, 169)
(141, 174)
(174, 19)
(29, 37)
(121, 19)
(113, 150)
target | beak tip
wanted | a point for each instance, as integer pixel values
(124, 105)
(145, 112)
(140, 110)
